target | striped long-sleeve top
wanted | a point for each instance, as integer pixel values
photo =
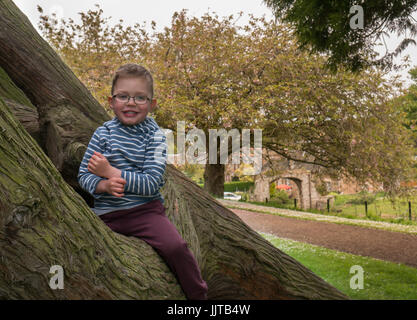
(139, 151)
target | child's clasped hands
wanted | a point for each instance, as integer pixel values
(100, 166)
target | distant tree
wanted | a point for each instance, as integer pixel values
(324, 26)
(408, 101)
(410, 105)
(93, 49)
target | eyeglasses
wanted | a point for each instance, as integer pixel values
(124, 98)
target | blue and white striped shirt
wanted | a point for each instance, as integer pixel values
(139, 151)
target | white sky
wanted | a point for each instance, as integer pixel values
(132, 11)
(136, 11)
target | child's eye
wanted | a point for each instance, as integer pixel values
(140, 98)
(121, 97)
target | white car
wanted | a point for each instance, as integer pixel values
(231, 196)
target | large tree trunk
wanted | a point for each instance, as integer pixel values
(214, 179)
(214, 172)
(67, 112)
(44, 222)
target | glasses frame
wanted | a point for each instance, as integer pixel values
(128, 99)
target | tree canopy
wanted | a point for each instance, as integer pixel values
(409, 103)
(324, 26)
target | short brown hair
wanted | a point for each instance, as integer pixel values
(133, 70)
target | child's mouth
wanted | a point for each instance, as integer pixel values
(130, 113)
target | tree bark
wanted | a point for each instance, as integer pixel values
(44, 222)
(214, 179)
(67, 112)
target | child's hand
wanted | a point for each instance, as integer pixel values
(115, 186)
(100, 166)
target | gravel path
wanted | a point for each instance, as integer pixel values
(372, 242)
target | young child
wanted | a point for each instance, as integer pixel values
(123, 170)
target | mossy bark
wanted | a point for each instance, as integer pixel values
(44, 222)
(67, 112)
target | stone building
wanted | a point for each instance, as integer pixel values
(299, 176)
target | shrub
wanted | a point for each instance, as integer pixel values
(245, 197)
(281, 197)
(361, 197)
(237, 186)
(272, 190)
(322, 189)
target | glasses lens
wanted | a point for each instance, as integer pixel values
(140, 99)
(122, 97)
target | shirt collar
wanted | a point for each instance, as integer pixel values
(139, 127)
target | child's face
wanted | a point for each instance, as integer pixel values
(131, 113)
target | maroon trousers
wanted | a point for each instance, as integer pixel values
(149, 223)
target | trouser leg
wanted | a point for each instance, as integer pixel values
(153, 226)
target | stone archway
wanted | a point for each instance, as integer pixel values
(299, 183)
(308, 195)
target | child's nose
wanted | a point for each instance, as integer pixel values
(131, 101)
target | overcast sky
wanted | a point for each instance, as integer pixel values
(160, 11)
(132, 11)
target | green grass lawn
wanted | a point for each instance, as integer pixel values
(382, 280)
(380, 210)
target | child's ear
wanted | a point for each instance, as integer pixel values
(109, 100)
(154, 105)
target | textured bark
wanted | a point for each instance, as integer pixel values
(67, 112)
(44, 222)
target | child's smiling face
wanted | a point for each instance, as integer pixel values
(131, 113)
